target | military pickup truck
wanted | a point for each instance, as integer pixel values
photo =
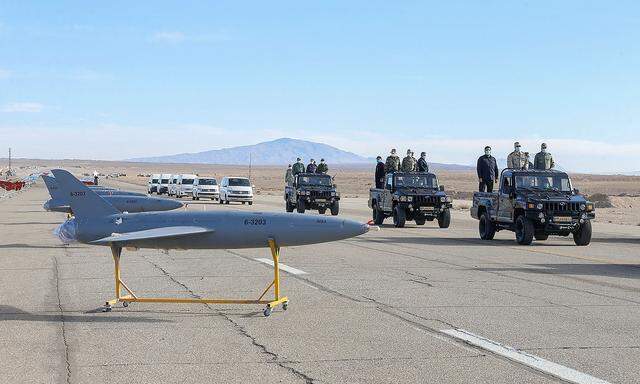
(534, 203)
(312, 191)
(410, 196)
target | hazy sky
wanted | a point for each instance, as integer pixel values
(112, 80)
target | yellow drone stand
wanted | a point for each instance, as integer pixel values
(116, 251)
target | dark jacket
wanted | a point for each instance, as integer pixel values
(380, 172)
(311, 168)
(488, 168)
(422, 165)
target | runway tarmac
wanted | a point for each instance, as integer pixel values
(419, 304)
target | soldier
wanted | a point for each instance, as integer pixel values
(487, 171)
(409, 162)
(422, 163)
(311, 167)
(393, 162)
(298, 167)
(322, 167)
(379, 173)
(543, 159)
(517, 159)
(288, 176)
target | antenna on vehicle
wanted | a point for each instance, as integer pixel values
(250, 158)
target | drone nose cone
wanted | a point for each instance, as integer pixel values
(353, 228)
(172, 204)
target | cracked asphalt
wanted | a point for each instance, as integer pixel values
(369, 309)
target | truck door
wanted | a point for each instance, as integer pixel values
(505, 203)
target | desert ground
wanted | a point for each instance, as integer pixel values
(354, 181)
(418, 304)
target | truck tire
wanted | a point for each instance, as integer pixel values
(288, 206)
(582, 236)
(486, 228)
(399, 217)
(378, 215)
(524, 230)
(540, 235)
(335, 209)
(300, 206)
(322, 211)
(444, 219)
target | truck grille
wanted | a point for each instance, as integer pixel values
(321, 194)
(561, 207)
(430, 200)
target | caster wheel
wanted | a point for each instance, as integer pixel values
(285, 306)
(125, 304)
(266, 312)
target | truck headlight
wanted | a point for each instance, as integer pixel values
(443, 199)
(583, 207)
(589, 207)
(409, 198)
(539, 206)
(403, 198)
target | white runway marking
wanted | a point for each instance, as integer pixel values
(535, 362)
(283, 267)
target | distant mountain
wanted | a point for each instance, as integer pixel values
(277, 152)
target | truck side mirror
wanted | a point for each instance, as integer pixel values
(576, 191)
(441, 188)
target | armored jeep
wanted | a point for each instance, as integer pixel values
(312, 191)
(410, 196)
(534, 203)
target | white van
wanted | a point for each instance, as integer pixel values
(152, 185)
(236, 189)
(185, 184)
(206, 188)
(163, 184)
(173, 182)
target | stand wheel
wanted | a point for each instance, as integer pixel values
(125, 304)
(285, 305)
(266, 312)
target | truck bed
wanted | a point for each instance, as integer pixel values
(488, 200)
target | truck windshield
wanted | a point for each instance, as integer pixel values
(544, 182)
(416, 181)
(207, 181)
(154, 181)
(237, 182)
(187, 181)
(164, 181)
(324, 181)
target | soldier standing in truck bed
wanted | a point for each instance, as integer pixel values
(393, 162)
(422, 163)
(409, 162)
(487, 171)
(543, 159)
(298, 167)
(517, 159)
(379, 178)
(322, 167)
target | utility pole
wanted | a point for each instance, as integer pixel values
(250, 155)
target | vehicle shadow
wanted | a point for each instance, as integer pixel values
(458, 241)
(9, 313)
(33, 223)
(608, 270)
(8, 246)
(616, 240)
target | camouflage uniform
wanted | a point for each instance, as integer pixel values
(392, 164)
(298, 167)
(288, 176)
(517, 160)
(409, 164)
(543, 160)
(322, 168)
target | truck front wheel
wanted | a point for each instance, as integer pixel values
(378, 215)
(301, 206)
(486, 228)
(399, 217)
(289, 206)
(524, 230)
(444, 219)
(335, 209)
(583, 235)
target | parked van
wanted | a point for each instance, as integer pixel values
(236, 189)
(185, 185)
(206, 188)
(173, 182)
(163, 184)
(152, 185)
